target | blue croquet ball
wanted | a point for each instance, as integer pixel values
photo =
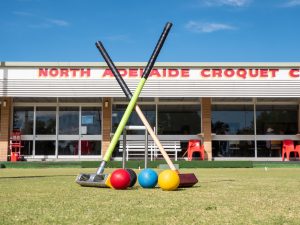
(147, 178)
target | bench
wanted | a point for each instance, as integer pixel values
(137, 148)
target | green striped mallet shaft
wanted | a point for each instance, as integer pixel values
(124, 119)
(134, 98)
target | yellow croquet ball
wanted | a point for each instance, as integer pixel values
(168, 180)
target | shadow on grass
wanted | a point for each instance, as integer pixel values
(158, 188)
(187, 188)
(218, 181)
(25, 177)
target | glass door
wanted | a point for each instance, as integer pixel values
(45, 132)
(90, 131)
(23, 120)
(68, 132)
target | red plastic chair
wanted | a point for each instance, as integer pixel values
(288, 147)
(297, 149)
(195, 146)
(15, 145)
(86, 147)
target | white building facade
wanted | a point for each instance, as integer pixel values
(68, 111)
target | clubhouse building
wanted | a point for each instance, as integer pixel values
(68, 111)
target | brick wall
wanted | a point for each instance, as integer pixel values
(106, 123)
(206, 127)
(5, 128)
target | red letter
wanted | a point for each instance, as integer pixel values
(204, 74)
(123, 72)
(43, 72)
(164, 72)
(53, 72)
(293, 73)
(264, 73)
(273, 72)
(173, 73)
(241, 73)
(229, 72)
(74, 72)
(141, 72)
(185, 72)
(252, 73)
(64, 72)
(84, 72)
(216, 73)
(133, 72)
(107, 72)
(155, 72)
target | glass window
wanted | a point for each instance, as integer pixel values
(45, 120)
(182, 99)
(90, 147)
(118, 111)
(23, 119)
(68, 148)
(232, 119)
(81, 99)
(27, 148)
(91, 120)
(277, 100)
(281, 119)
(139, 100)
(44, 147)
(69, 120)
(233, 149)
(268, 148)
(179, 119)
(222, 100)
(34, 99)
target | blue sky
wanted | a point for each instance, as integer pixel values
(203, 31)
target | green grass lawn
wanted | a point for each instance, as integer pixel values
(222, 196)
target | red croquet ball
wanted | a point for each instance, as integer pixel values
(120, 179)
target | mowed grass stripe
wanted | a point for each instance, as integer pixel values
(222, 196)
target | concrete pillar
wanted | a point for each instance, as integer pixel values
(106, 123)
(206, 127)
(5, 119)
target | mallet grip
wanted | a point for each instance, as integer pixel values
(157, 49)
(114, 70)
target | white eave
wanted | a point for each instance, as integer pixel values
(157, 64)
